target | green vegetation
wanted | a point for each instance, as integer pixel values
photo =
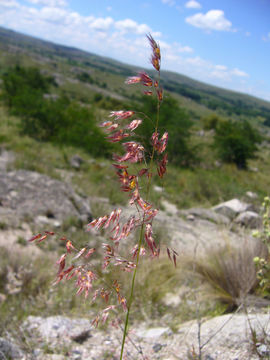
(236, 142)
(57, 120)
(176, 121)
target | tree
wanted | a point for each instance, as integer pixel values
(236, 142)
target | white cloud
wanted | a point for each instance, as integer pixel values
(129, 25)
(49, 3)
(184, 49)
(267, 37)
(239, 73)
(193, 4)
(52, 14)
(168, 2)
(101, 24)
(8, 3)
(221, 67)
(212, 20)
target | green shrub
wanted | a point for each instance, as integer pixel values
(57, 120)
(211, 121)
(236, 142)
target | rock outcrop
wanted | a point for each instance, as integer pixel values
(227, 337)
(27, 194)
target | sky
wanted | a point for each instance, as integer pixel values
(221, 42)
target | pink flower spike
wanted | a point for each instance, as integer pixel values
(121, 114)
(69, 246)
(162, 166)
(112, 127)
(148, 93)
(150, 240)
(89, 253)
(133, 80)
(114, 216)
(118, 136)
(135, 152)
(154, 138)
(154, 45)
(106, 123)
(145, 79)
(142, 172)
(164, 141)
(150, 215)
(144, 205)
(61, 262)
(80, 253)
(120, 167)
(160, 94)
(42, 238)
(133, 125)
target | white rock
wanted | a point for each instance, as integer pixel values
(169, 207)
(153, 332)
(251, 195)
(232, 208)
(249, 219)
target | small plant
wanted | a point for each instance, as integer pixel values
(262, 264)
(135, 170)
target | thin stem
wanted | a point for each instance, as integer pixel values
(131, 293)
(140, 240)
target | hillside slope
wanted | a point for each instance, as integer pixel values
(199, 98)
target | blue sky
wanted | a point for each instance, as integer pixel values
(222, 42)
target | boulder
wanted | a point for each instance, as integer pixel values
(76, 161)
(27, 194)
(251, 195)
(169, 207)
(206, 214)
(249, 219)
(8, 350)
(232, 208)
(152, 333)
(6, 158)
(59, 327)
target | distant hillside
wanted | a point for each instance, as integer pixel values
(106, 74)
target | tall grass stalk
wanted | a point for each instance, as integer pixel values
(135, 170)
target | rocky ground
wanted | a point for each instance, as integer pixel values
(30, 198)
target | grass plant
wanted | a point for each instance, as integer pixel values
(136, 183)
(230, 272)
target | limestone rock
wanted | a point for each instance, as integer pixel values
(76, 161)
(206, 214)
(9, 350)
(232, 208)
(6, 158)
(249, 219)
(153, 332)
(27, 194)
(169, 208)
(252, 195)
(59, 327)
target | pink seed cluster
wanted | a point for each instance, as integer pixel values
(75, 263)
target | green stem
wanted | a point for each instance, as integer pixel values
(131, 293)
(140, 241)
